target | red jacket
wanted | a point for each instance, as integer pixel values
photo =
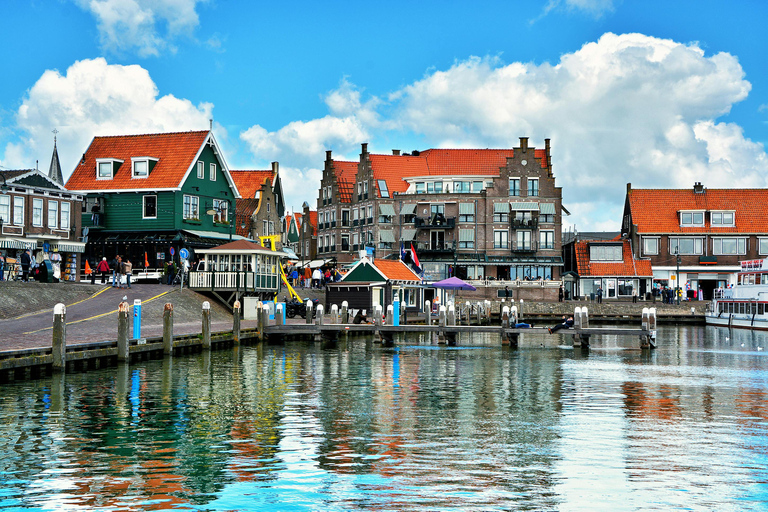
(103, 266)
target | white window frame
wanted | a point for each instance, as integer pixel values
(200, 169)
(221, 206)
(53, 209)
(500, 239)
(646, 252)
(111, 162)
(141, 160)
(692, 213)
(543, 236)
(144, 206)
(720, 215)
(194, 207)
(37, 212)
(741, 245)
(696, 242)
(212, 172)
(5, 208)
(18, 210)
(762, 246)
(64, 215)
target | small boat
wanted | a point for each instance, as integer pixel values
(745, 305)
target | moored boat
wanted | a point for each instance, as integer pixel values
(745, 305)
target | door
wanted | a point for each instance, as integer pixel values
(610, 285)
(438, 240)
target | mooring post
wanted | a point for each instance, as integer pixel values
(168, 329)
(403, 314)
(319, 317)
(480, 313)
(520, 311)
(390, 315)
(577, 318)
(279, 314)
(468, 306)
(236, 323)
(377, 320)
(122, 332)
(59, 337)
(505, 317)
(309, 311)
(585, 318)
(206, 325)
(442, 319)
(260, 320)
(450, 317)
(334, 314)
(428, 312)
(513, 318)
(345, 312)
(488, 307)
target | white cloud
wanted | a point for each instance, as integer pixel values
(95, 98)
(148, 27)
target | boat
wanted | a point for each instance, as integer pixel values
(745, 305)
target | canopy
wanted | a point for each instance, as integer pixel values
(453, 283)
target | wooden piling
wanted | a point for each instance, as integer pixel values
(279, 314)
(206, 325)
(123, 355)
(345, 312)
(428, 312)
(309, 311)
(236, 323)
(59, 337)
(168, 329)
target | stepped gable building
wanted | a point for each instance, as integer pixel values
(473, 213)
(148, 194)
(307, 233)
(261, 205)
(703, 232)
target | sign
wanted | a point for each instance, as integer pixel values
(172, 251)
(161, 255)
(183, 253)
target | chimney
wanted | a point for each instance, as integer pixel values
(698, 188)
(275, 167)
(328, 155)
(629, 188)
(524, 144)
(365, 148)
(396, 152)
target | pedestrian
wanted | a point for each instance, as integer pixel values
(115, 265)
(317, 276)
(327, 276)
(294, 277)
(2, 266)
(560, 294)
(26, 261)
(599, 294)
(121, 274)
(128, 268)
(506, 292)
(103, 267)
(565, 324)
(634, 295)
(171, 272)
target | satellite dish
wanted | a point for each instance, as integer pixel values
(86, 229)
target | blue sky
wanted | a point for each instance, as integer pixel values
(660, 94)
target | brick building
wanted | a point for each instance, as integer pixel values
(473, 213)
(699, 233)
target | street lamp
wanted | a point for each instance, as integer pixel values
(4, 186)
(677, 278)
(213, 210)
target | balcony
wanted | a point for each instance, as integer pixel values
(435, 222)
(524, 223)
(430, 249)
(355, 222)
(523, 247)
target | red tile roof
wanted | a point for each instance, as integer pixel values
(396, 270)
(656, 210)
(245, 209)
(345, 179)
(313, 221)
(393, 169)
(249, 182)
(630, 267)
(176, 153)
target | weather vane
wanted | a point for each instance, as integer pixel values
(54, 132)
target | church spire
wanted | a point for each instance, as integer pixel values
(54, 172)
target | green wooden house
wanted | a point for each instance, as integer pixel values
(148, 196)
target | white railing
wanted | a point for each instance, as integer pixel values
(493, 283)
(222, 280)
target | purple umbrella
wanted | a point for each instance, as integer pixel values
(453, 283)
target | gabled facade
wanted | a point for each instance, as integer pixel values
(291, 229)
(307, 234)
(378, 282)
(473, 213)
(39, 214)
(147, 194)
(611, 265)
(261, 207)
(708, 230)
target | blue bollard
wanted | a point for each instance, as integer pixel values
(396, 312)
(137, 319)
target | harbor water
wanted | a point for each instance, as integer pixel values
(419, 426)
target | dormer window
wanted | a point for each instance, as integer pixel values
(141, 166)
(722, 218)
(106, 167)
(605, 252)
(691, 218)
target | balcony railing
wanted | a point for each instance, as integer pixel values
(436, 222)
(428, 248)
(524, 223)
(526, 246)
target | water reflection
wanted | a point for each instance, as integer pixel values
(416, 427)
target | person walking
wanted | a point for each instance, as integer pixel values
(316, 277)
(26, 261)
(115, 265)
(506, 292)
(103, 267)
(560, 294)
(599, 294)
(634, 295)
(128, 267)
(2, 266)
